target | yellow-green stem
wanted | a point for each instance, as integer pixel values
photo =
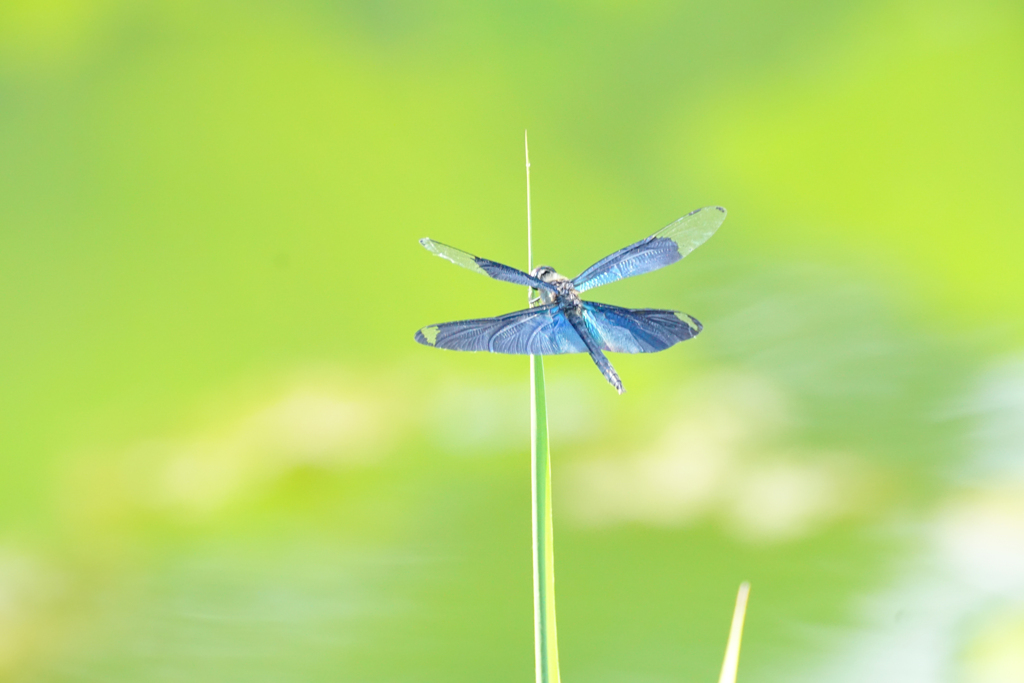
(545, 633)
(732, 650)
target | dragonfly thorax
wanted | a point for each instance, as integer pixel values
(566, 296)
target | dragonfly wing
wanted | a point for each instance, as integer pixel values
(663, 248)
(637, 330)
(542, 331)
(487, 267)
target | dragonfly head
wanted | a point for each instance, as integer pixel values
(549, 274)
(546, 274)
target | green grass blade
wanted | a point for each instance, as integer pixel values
(732, 651)
(545, 633)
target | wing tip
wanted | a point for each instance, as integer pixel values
(715, 207)
(695, 325)
(427, 335)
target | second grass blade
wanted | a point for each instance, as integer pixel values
(545, 633)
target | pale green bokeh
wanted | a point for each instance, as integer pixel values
(223, 456)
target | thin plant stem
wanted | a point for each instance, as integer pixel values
(545, 634)
(529, 220)
(732, 651)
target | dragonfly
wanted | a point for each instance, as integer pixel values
(558, 321)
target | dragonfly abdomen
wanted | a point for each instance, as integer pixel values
(594, 349)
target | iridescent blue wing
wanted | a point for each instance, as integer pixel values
(542, 331)
(481, 265)
(637, 330)
(663, 248)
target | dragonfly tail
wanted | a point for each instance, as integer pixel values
(600, 360)
(605, 366)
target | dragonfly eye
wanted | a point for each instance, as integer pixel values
(544, 273)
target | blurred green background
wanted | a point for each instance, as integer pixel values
(223, 457)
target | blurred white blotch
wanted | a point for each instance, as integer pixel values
(982, 538)
(998, 412)
(313, 425)
(996, 653)
(471, 420)
(724, 457)
(27, 589)
(784, 500)
(310, 426)
(957, 610)
(487, 420)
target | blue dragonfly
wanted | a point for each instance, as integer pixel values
(558, 321)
